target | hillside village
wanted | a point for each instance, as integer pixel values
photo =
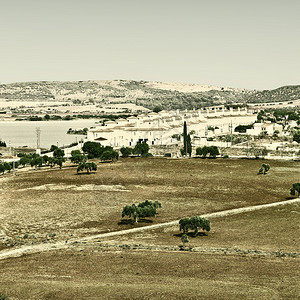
(165, 127)
(206, 127)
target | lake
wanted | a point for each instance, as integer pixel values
(23, 133)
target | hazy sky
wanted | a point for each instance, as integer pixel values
(234, 43)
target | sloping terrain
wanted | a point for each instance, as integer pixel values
(144, 93)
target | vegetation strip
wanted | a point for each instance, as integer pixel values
(63, 245)
(279, 253)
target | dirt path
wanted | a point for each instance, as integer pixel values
(63, 245)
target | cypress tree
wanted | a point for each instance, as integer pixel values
(189, 145)
(185, 148)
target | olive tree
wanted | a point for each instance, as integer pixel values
(194, 223)
(88, 166)
(184, 239)
(264, 169)
(295, 188)
(144, 209)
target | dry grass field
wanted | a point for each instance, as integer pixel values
(47, 206)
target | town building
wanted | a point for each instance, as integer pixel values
(265, 129)
(166, 127)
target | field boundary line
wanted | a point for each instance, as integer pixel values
(24, 250)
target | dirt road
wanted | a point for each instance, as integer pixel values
(67, 244)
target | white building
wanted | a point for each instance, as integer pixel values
(265, 128)
(165, 127)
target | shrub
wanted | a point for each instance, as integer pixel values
(141, 148)
(126, 151)
(147, 155)
(110, 155)
(213, 151)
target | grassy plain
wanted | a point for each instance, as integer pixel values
(45, 206)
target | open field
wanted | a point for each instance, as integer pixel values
(84, 273)
(46, 206)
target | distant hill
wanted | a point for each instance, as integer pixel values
(144, 93)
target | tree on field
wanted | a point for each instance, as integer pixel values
(36, 161)
(45, 159)
(141, 149)
(59, 161)
(77, 157)
(51, 162)
(58, 153)
(295, 188)
(187, 144)
(93, 149)
(126, 151)
(213, 151)
(155, 204)
(142, 210)
(194, 223)
(109, 155)
(264, 169)
(24, 160)
(184, 239)
(88, 166)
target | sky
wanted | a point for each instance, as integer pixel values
(229, 43)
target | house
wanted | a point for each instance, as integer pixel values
(265, 129)
(165, 127)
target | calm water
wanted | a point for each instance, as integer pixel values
(23, 133)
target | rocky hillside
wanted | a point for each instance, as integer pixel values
(144, 93)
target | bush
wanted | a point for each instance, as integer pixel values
(147, 155)
(167, 155)
(141, 148)
(126, 151)
(58, 153)
(110, 155)
(213, 151)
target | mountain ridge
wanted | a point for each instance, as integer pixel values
(145, 93)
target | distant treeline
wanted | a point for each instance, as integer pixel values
(73, 117)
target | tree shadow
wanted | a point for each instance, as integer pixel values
(190, 234)
(85, 173)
